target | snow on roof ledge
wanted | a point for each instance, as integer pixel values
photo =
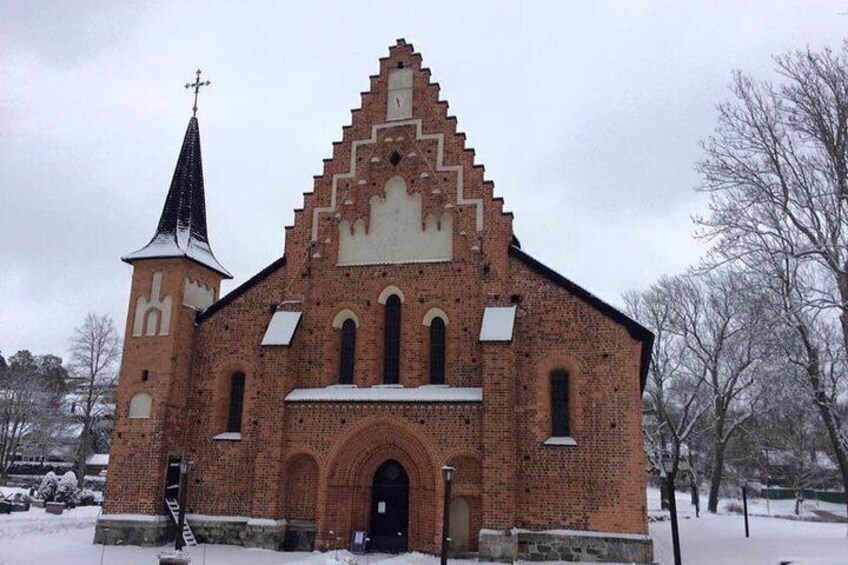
(281, 328)
(498, 322)
(97, 459)
(349, 393)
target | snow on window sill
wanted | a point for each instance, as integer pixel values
(564, 440)
(228, 436)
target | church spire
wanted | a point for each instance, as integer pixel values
(182, 227)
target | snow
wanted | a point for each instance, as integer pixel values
(352, 393)
(228, 436)
(281, 328)
(97, 459)
(720, 538)
(38, 538)
(166, 245)
(560, 441)
(497, 323)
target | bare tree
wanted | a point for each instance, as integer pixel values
(672, 406)
(776, 169)
(95, 353)
(30, 393)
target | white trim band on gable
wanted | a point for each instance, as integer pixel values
(498, 322)
(281, 328)
(352, 393)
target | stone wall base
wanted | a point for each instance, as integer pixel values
(565, 545)
(157, 530)
(120, 529)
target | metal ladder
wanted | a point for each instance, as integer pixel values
(174, 509)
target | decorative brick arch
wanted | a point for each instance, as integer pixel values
(467, 486)
(301, 481)
(222, 374)
(350, 471)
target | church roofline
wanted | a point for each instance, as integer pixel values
(240, 290)
(636, 330)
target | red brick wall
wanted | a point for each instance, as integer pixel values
(316, 461)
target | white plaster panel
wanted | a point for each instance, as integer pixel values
(197, 295)
(440, 166)
(155, 310)
(140, 406)
(395, 233)
(399, 102)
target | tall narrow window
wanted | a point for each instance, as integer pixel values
(559, 404)
(391, 354)
(348, 352)
(437, 351)
(236, 402)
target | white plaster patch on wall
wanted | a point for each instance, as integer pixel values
(440, 166)
(140, 406)
(395, 232)
(399, 102)
(197, 295)
(152, 314)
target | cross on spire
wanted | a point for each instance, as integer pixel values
(196, 85)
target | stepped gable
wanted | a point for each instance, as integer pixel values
(401, 131)
(182, 226)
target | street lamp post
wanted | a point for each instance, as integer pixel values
(668, 468)
(185, 467)
(448, 474)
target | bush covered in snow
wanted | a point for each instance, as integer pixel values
(48, 487)
(88, 497)
(67, 489)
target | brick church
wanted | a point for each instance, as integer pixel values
(404, 329)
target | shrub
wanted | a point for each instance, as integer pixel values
(48, 487)
(67, 489)
(88, 497)
(734, 506)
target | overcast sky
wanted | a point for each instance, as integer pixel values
(587, 117)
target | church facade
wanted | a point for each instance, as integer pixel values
(404, 329)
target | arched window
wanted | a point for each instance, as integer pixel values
(236, 403)
(437, 351)
(559, 404)
(391, 353)
(348, 352)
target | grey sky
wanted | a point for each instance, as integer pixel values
(587, 117)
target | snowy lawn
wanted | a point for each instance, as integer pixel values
(38, 538)
(720, 538)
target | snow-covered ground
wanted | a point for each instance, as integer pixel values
(720, 538)
(38, 538)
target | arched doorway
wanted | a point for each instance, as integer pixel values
(389, 526)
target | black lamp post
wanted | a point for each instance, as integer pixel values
(185, 467)
(668, 468)
(448, 474)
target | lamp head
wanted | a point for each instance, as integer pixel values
(448, 473)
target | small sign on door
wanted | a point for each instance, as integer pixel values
(357, 543)
(381, 507)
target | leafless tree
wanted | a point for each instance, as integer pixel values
(672, 405)
(30, 394)
(776, 170)
(95, 354)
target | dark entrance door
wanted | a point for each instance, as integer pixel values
(390, 508)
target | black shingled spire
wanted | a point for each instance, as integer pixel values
(182, 227)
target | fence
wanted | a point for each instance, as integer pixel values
(782, 493)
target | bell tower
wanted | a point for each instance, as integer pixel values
(174, 276)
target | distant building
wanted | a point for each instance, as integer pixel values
(404, 329)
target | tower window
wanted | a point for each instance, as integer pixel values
(348, 352)
(236, 403)
(559, 404)
(391, 353)
(437, 351)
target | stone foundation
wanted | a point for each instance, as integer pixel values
(118, 529)
(127, 529)
(565, 545)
